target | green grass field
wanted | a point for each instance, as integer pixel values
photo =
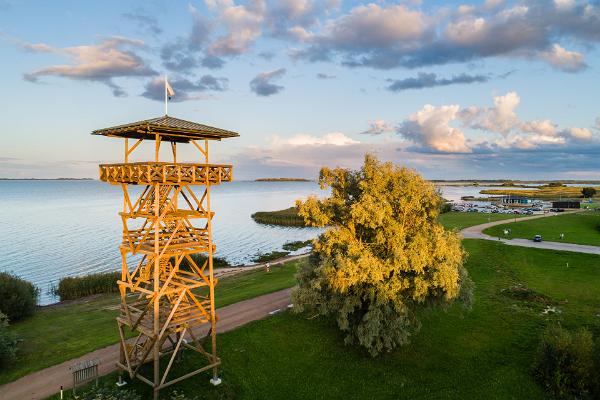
(461, 220)
(483, 354)
(59, 333)
(579, 228)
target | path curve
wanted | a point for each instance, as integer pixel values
(476, 232)
(45, 383)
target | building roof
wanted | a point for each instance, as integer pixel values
(169, 128)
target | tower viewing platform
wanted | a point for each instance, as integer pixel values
(167, 281)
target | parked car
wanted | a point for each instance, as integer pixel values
(537, 238)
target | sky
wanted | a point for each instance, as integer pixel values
(491, 89)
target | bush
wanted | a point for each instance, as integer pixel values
(565, 362)
(445, 207)
(296, 245)
(8, 343)
(274, 255)
(18, 297)
(200, 258)
(109, 393)
(71, 288)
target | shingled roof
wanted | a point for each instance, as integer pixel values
(169, 128)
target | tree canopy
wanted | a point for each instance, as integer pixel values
(383, 256)
(588, 192)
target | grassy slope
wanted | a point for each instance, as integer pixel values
(580, 228)
(485, 353)
(461, 220)
(56, 334)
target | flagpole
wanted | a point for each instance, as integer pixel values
(166, 98)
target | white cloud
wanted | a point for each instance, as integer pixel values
(430, 128)
(500, 118)
(242, 24)
(543, 128)
(375, 26)
(111, 58)
(580, 133)
(329, 139)
(559, 57)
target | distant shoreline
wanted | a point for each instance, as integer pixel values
(282, 180)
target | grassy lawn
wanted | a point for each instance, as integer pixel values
(579, 228)
(461, 220)
(59, 333)
(483, 354)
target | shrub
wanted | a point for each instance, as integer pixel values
(200, 258)
(287, 217)
(274, 255)
(565, 363)
(445, 207)
(109, 393)
(8, 343)
(18, 297)
(296, 245)
(71, 288)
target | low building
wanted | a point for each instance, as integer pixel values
(515, 200)
(566, 204)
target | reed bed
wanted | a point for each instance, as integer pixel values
(287, 217)
(71, 288)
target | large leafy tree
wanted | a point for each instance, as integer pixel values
(383, 257)
(588, 192)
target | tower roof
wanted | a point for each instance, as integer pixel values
(169, 128)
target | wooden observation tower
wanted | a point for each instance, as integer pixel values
(165, 294)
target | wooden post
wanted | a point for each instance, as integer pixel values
(156, 325)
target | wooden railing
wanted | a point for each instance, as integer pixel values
(146, 173)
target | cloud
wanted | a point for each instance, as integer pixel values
(111, 58)
(429, 80)
(378, 127)
(262, 84)
(432, 131)
(568, 61)
(185, 89)
(242, 25)
(145, 21)
(329, 139)
(390, 35)
(500, 118)
(321, 75)
(543, 128)
(598, 123)
(430, 128)
(580, 133)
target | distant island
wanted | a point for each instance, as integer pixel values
(282, 180)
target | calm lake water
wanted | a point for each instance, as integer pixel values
(53, 229)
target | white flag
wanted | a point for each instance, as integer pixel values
(170, 91)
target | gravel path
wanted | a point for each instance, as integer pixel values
(476, 232)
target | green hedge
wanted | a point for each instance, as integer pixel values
(18, 298)
(71, 288)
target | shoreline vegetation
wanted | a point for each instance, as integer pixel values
(286, 217)
(282, 180)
